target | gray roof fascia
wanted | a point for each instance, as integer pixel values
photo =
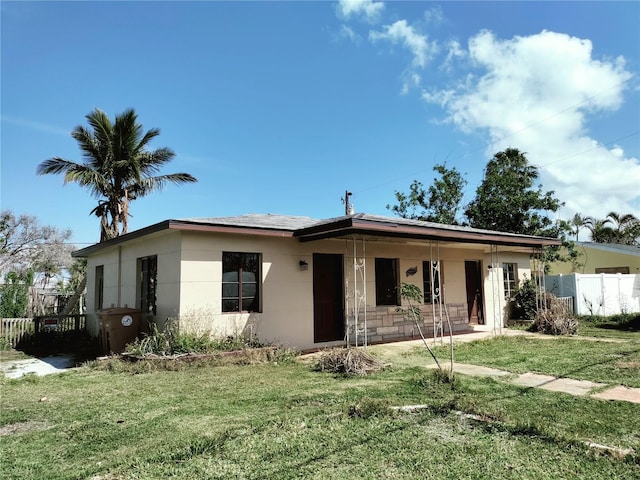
(253, 224)
(415, 229)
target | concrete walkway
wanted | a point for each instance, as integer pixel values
(585, 388)
(581, 388)
(37, 366)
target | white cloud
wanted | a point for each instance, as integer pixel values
(348, 33)
(367, 9)
(422, 50)
(454, 52)
(537, 93)
(404, 34)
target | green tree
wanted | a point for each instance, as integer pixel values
(626, 227)
(440, 203)
(576, 223)
(14, 294)
(600, 230)
(508, 199)
(117, 167)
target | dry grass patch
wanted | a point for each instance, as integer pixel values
(349, 361)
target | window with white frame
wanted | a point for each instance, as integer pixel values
(510, 277)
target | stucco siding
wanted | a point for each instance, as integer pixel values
(189, 286)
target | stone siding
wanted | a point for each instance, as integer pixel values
(385, 324)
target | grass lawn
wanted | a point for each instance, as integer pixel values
(286, 421)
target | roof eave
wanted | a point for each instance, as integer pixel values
(348, 227)
(184, 226)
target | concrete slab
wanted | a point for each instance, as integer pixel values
(475, 370)
(532, 380)
(566, 385)
(620, 393)
(37, 366)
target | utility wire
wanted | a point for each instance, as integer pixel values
(482, 147)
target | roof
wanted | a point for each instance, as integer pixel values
(633, 250)
(308, 229)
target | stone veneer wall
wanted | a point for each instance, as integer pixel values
(386, 324)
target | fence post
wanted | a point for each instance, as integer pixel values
(603, 292)
(77, 318)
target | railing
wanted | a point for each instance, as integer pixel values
(568, 303)
(16, 330)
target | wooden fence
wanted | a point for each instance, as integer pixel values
(16, 330)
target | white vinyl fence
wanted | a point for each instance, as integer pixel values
(598, 294)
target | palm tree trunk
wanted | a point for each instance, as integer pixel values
(73, 301)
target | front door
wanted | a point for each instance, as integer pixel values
(328, 313)
(473, 275)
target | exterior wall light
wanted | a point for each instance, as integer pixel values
(303, 265)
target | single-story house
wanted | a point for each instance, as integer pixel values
(601, 258)
(309, 283)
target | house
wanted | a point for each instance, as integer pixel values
(308, 283)
(601, 258)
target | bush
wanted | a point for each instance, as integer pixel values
(525, 303)
(173, 342)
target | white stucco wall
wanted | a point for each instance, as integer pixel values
(120, 265)
(496, 305)
(190, 273)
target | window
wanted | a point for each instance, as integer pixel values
(99, 292)
(387, 281)
(510, 276)
(240, 282)
(148, 275)
(431, 274)
(624, 270)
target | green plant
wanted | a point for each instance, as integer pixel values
(525, 300)
(368, 407)
(15, 294)
(173, 341)
(411, 293)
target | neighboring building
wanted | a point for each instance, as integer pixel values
(308, 283)
(601, 258)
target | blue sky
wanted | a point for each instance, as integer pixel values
(279, 107)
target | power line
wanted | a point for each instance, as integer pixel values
(592, 149)
(482, 147)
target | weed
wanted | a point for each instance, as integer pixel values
(368, 407)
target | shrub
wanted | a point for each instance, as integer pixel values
(171, 341)
(525, 302)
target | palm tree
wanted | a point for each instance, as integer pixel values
(600, 231)
(577, 222)
(117, 167)
(626, 227)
